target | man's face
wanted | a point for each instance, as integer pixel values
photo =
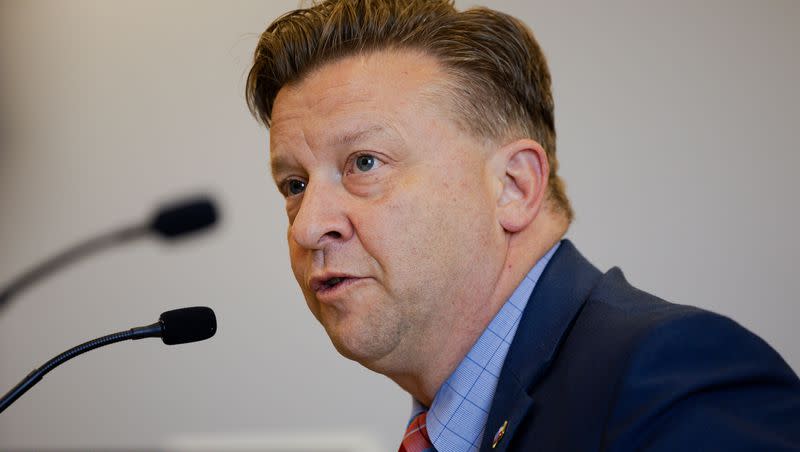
(392, 230)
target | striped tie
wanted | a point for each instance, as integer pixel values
(416, 438)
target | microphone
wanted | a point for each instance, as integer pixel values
(183, 218)
(179, 326)
(170, 222)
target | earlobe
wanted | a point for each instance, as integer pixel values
(524, 183)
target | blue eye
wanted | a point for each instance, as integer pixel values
(365, 162)
(295, 187)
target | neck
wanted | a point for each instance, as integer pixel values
(523, 250)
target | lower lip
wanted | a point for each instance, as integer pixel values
(330, 293)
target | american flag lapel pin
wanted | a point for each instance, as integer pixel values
(499, 435)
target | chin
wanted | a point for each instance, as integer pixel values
(363, 347)
(354, 353)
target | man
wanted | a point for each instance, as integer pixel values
(415, 148)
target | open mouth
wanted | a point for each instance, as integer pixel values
(330, 284)
(333, 282)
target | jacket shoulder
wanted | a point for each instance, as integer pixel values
(686, 377)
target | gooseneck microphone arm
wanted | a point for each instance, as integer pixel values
(37, 374)
(69, 256)
(170, 222)
(178, 326)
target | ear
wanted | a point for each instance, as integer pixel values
(523, 170)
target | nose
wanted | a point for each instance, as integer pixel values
(321, 219)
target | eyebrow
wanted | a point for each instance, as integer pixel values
(281, 164)
(359, 134)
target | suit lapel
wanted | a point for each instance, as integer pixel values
(516, 403)
(555, 302)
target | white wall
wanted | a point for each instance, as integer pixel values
(676, 130)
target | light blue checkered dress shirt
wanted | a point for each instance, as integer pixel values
(457, 416)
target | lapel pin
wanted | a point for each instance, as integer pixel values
(499, 435)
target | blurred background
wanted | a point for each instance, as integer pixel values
(677, 138)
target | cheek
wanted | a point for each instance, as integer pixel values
(420, 232)
(299, 271)
(430, 223)
(297, 259)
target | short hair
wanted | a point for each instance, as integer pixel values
(499, 82)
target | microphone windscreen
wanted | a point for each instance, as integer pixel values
(184, 325)
(185, 217)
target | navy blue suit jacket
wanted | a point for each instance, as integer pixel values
(598, 365)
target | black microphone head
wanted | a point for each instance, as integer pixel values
(177, 219)
(180, 326)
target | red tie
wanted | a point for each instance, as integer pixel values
(416, 437)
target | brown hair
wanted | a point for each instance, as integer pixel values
(499, 81)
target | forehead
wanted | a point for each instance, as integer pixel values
(377, 90)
